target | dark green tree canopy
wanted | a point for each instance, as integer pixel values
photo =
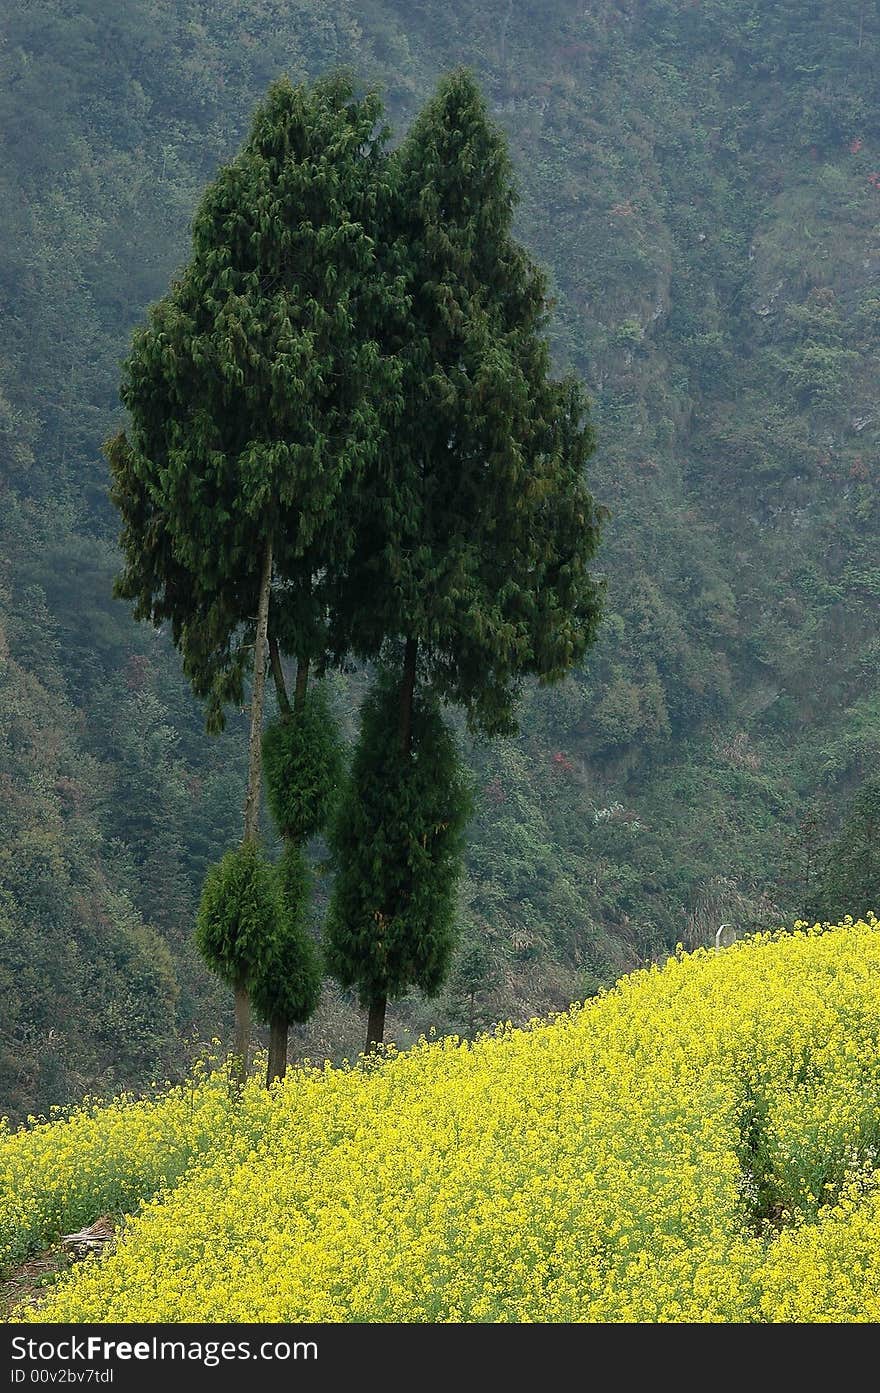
(252, 389)
(397, 843)
(474, 523)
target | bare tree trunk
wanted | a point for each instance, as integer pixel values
(242, 1037)
(277, 1051)
(503, 44)
(278, 676)
(376, 1025)
(278, 1029)
(238, 1064)
(255, 767)
(378, 1006)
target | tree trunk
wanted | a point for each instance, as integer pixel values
(255, 766)
(302, 682)
(376, 1025)
(407, 691)
(242, 1038)
(277, 1051)
(376, 1020)
(238, 1064)
(278, 677)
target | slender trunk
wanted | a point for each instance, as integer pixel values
(252, 799)
(407, 691)
(238, 1064)
(376, 1020)
(302, 682)
(278, 1029)
(376, 1024)
(278, 678)
(277, 1051)
(241, 1042)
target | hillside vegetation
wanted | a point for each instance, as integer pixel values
(698, 1144)
(702, 183)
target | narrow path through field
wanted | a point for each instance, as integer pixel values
(27, 1284)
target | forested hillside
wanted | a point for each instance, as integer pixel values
(702, 183)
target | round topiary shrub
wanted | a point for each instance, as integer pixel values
(240, 914)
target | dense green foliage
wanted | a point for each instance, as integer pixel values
(474, 525)
(247, 389)
(700, 182)
(850, 872)
(303, 760)
(303, 764)
(288, 984)
(239, 914)
(397, 842)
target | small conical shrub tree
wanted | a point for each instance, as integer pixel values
(238, 924)
(397, 845)
(288, 984)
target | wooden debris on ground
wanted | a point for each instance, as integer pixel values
(97, 1238)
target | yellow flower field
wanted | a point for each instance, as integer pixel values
(107, 1157)
(699, 1144)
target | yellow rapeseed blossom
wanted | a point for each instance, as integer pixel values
(699, 1144)
(107, 1157)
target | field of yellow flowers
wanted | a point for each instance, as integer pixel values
(699, 1144)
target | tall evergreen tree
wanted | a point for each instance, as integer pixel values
(252, 388)
(475, 527)
(251, 393)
